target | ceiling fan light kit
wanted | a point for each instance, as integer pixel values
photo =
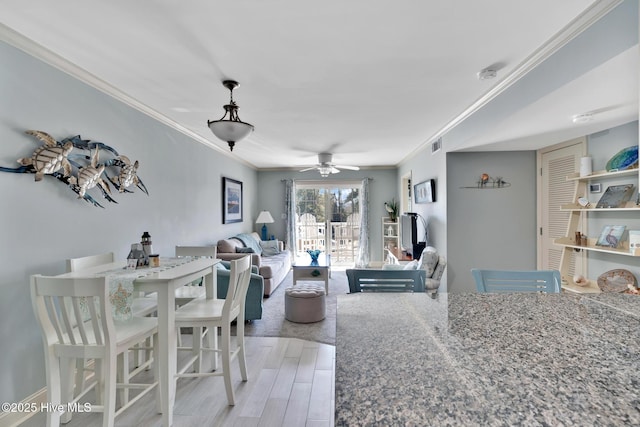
(326, 167)
(230, 129)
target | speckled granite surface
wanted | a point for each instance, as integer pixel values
(404, 359)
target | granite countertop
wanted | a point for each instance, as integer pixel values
(487, 359)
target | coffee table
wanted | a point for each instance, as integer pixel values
(303, 269)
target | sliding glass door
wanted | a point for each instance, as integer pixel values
(328, 218)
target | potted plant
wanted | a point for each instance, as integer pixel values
(392, 209)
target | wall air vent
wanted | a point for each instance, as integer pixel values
(436, 145)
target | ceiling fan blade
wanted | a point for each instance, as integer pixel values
(351, 168)
(309, 169)
(334, 170)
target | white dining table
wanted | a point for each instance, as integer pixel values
(164, 283)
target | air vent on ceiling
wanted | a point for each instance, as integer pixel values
(436, 145)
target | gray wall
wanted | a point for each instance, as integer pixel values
(425, 165)
(43, 223)
(490, 228)
(382, 187)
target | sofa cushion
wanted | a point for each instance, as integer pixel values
(413, 265)
(229, 245)
(270, 265)
(270, 247)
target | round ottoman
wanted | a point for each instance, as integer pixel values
(304, 303)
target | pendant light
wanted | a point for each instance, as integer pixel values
(231, 128)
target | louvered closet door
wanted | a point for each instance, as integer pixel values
(556, 190)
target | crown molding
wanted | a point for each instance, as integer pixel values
(593, 13)
(38, 51)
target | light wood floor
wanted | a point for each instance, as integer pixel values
(291, 383)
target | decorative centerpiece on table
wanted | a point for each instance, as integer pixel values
(392, 209)
(314, 253)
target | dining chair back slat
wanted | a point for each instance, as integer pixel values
(74, 315)
(494, 281)
(194, 289)
(240, 276)
(76, 264)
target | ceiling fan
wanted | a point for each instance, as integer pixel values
(326, 167)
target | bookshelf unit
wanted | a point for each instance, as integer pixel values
(391, 237)
(578, 212)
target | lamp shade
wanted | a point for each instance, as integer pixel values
(264, 218)
(229, 130)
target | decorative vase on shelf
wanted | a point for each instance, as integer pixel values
(314, 253)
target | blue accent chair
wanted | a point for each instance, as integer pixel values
(492, 281)
(253, 304)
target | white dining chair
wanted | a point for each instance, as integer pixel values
(76, 321)
(196, 289)
(218, 313)
(141, 306)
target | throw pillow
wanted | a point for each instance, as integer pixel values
(413, 265)
(220, 266)
(428, 261)
(245, 250)
(392, 267)
(249, 241)
(270, 247)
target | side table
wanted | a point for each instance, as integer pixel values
(303, 269)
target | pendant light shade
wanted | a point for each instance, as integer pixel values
(230, 128)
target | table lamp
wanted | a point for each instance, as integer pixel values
(265, 218)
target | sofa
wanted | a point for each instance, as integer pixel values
(421, 275)
(272, 261)
(253, 302)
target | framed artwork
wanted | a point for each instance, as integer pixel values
(616, 196)
(231, 201)
(611, 236)
(425, 192)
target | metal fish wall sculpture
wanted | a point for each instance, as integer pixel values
(75, 162)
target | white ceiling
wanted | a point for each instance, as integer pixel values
(370, 81)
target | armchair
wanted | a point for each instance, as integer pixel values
(253, 305)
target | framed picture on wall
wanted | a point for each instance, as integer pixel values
(231, 201)
(425, 192)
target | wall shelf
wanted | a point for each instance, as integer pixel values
(630, 206)
(602, 174)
